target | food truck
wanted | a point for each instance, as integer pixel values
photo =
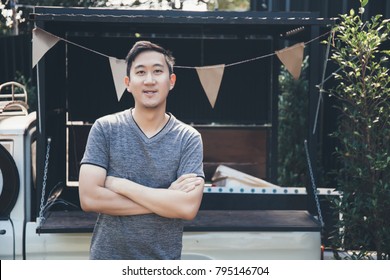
(244, 214)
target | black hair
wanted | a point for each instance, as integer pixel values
(143, 46)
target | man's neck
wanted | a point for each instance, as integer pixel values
(150, 121)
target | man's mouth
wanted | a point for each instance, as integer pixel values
(150, 92)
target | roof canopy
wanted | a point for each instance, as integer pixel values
(163, 16)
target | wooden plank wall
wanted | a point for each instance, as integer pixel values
(244, 149)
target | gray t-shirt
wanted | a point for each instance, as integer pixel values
(117, 144)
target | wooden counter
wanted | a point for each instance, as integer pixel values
(206, 220)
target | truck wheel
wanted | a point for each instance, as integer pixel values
(11, 182)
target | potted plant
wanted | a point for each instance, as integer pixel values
(363, 136)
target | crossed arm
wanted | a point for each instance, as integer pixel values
(117, 196)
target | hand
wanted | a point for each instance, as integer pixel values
(186, 183)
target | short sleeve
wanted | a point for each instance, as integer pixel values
(96, 149)
(192, 156)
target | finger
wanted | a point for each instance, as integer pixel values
(181, 186)
(186, 176)
(191, 184)
(195, 180)
(187, 188)
(184, 180)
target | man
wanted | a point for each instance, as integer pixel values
(142, 169)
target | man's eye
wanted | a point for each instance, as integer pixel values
(140, 72)
(158, 71)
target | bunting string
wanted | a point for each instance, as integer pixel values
(73, 43)
(210, 76)
(228, 65)
(187, 67)
(258, 57)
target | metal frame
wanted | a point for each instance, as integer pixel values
(57, 20)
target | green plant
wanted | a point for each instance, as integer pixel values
(363, 134)
(292, 129)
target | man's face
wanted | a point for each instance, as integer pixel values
(150, 81)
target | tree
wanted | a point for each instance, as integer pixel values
(10, 17)
(363, 134)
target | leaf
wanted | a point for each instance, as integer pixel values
(363, 2)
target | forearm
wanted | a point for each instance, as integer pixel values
(108, 202)
(170, 203)
(94, 197)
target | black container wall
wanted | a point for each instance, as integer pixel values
(15, 57)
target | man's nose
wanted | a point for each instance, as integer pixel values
(149, 79)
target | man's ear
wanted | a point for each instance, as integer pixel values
(172, 81)
(127, 83)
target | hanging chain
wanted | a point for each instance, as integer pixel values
(313, 184)
(42, 206)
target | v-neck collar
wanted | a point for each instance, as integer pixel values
(156, 136)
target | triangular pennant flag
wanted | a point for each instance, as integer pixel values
(292, 58)
(42, 41)
(118, 69)
(210, 77)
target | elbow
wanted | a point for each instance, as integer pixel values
(191, 208)
(85, 206)
(189, 217)
(86, 203)
(190, 213)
